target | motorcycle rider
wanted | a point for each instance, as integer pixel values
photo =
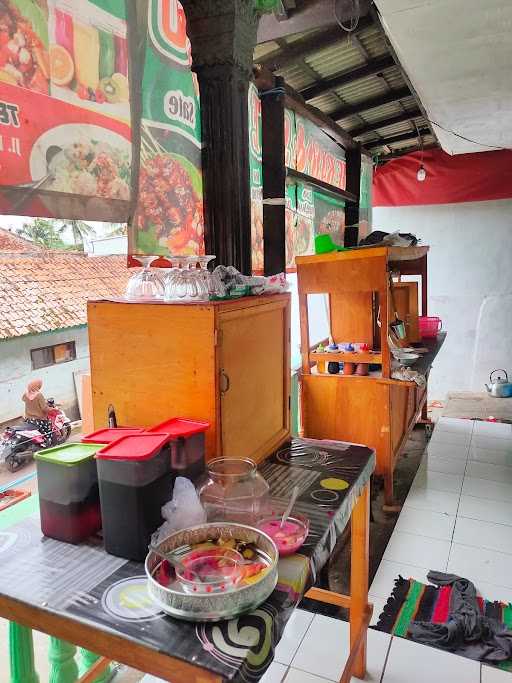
(36, 410)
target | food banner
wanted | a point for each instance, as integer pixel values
(309, 150)
(65, 134)
(169, 213)
(329, 216)
(255, 180)
(289, 139)
(309, 211)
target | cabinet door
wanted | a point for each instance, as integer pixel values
(254, 380)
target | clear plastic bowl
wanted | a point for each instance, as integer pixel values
(289, 538)
(213, 570)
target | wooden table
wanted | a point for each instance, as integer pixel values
(82, 595)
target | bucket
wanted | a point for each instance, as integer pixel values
(429, 326)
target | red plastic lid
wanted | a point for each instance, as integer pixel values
(134, 447)
(109, 434)
(180, 426)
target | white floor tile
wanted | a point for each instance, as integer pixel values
(274, 674)
(298, 676)
(448, 450)
(483, 488)
(494, 456)
(294, 632)
(325, 648)
(417, 550)
(447, 437)
(478, 564)
(486, 470)
(439, 463)
(492, 675)
(479, 508)
(492, 444)
(430, 499)
(378, 607)
(497, 430)
(455, 424)
(490, 591)
(483, 535)
(387, 573)
(426, 523)
(439, 481)
(410, 662)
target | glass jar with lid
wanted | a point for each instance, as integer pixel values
(234, 491)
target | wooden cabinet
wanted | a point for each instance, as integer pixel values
(374, 410)
(227, 362)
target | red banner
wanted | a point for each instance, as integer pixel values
(477, 177)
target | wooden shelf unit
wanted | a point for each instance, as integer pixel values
(377, 411)
(227, 362)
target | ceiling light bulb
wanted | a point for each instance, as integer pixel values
(421, 174)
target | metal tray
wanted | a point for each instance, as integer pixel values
(217, 606)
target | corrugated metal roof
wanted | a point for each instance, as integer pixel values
(351, 52)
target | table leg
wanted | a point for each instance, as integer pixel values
(63, 667)
(359, 567)
(21, 654)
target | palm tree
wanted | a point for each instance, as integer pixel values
(44, 232)
(80, 230)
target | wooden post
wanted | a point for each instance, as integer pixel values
(353, 160)
(274, 179)
(223, 36)
(359, 567)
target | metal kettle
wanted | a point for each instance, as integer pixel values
(499, 387)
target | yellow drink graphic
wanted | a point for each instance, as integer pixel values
(86, 46)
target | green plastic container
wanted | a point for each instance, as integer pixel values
(69, 500)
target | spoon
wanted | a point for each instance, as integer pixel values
(172, 560)
(286, 513)
(51, 153)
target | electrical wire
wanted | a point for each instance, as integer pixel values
(463, 137)
(354, 21)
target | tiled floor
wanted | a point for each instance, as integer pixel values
(457, 518)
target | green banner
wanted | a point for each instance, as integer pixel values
(255, 179)
(169, 214)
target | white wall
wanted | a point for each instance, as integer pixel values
(470, 285)
(16, 371)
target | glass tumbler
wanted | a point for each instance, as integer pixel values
(146, 284)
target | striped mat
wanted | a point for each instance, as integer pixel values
(415, 601)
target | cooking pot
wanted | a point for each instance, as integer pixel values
(500, 387)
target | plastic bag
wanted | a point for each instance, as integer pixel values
(184, 510)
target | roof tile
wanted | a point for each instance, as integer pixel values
(45, 291)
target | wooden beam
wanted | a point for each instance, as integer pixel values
(353, 160)
(383, 123)
(280, 59)
(325, 187)
(314, 14)
(384, 158)
(372, 103)
(294, 101)
(373, 67)
(410, 135)
(274, 181)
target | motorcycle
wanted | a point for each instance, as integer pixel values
(18, 443)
